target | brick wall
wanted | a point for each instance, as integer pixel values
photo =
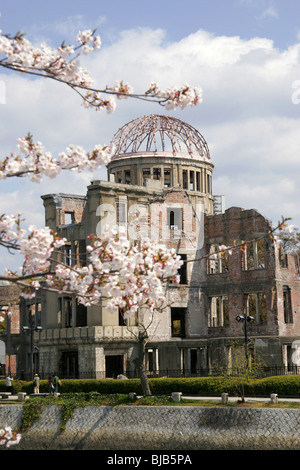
(234, 226)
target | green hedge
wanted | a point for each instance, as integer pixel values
(17, 386)
(283, 385)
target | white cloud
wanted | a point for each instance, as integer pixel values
(268, 9)
(270, 12)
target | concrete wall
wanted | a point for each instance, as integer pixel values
(159, 428)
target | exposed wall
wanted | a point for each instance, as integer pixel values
(9, 297)
(272, 336)
(159, 428)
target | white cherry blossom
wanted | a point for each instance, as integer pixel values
(8, 437)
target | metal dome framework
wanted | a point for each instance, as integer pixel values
(156, 134)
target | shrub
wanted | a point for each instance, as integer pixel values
(17, 386)
(284, 385)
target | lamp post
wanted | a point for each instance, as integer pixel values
(31, 329)
(246, 319)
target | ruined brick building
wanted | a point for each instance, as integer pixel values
(159, 185)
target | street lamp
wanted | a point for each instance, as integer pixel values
(31, 329)
(246, 319)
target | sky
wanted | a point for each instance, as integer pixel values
(244, 54)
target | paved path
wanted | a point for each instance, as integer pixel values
(209, 398)
(235, 399)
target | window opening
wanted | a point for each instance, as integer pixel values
(69, 218)
(119, 177)
(167, 177)
(287, 305)
(256, 306)
(156, 173)
(184, 179)
(182, 271)
(174, 218)
(127, 177)
(68, 311)
(82, 252)
(81, 314)
(193, 353)
(122, 321)
(68, 255)
(150, 360)
(208, 184)
(178, 321)
(218, 260)
(192, 182)
(146, 175)
(198, 185)
(218, 311)
(254, 255)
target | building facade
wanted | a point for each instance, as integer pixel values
(159, 186)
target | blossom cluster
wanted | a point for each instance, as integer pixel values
(10, 231)
(8, 437)
(129, 276)
(20, 54)
(37, 249)
(37, 246)
(177, 97)
(37, 162)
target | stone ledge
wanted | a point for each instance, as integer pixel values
(86, 332)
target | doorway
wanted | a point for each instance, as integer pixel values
(70, 365)
(114, 366)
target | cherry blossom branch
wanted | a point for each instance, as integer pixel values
(35, 161)
(128, 276)
(62, 65)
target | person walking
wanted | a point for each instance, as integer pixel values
(56, 383)
(36, 384)
(8, 382)
(50, 385)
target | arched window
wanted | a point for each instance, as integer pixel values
(172, 218)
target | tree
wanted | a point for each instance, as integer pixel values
(241, 367)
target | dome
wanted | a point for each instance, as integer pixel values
(160, 134)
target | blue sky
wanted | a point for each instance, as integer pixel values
(277, 19)
(244, 54)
